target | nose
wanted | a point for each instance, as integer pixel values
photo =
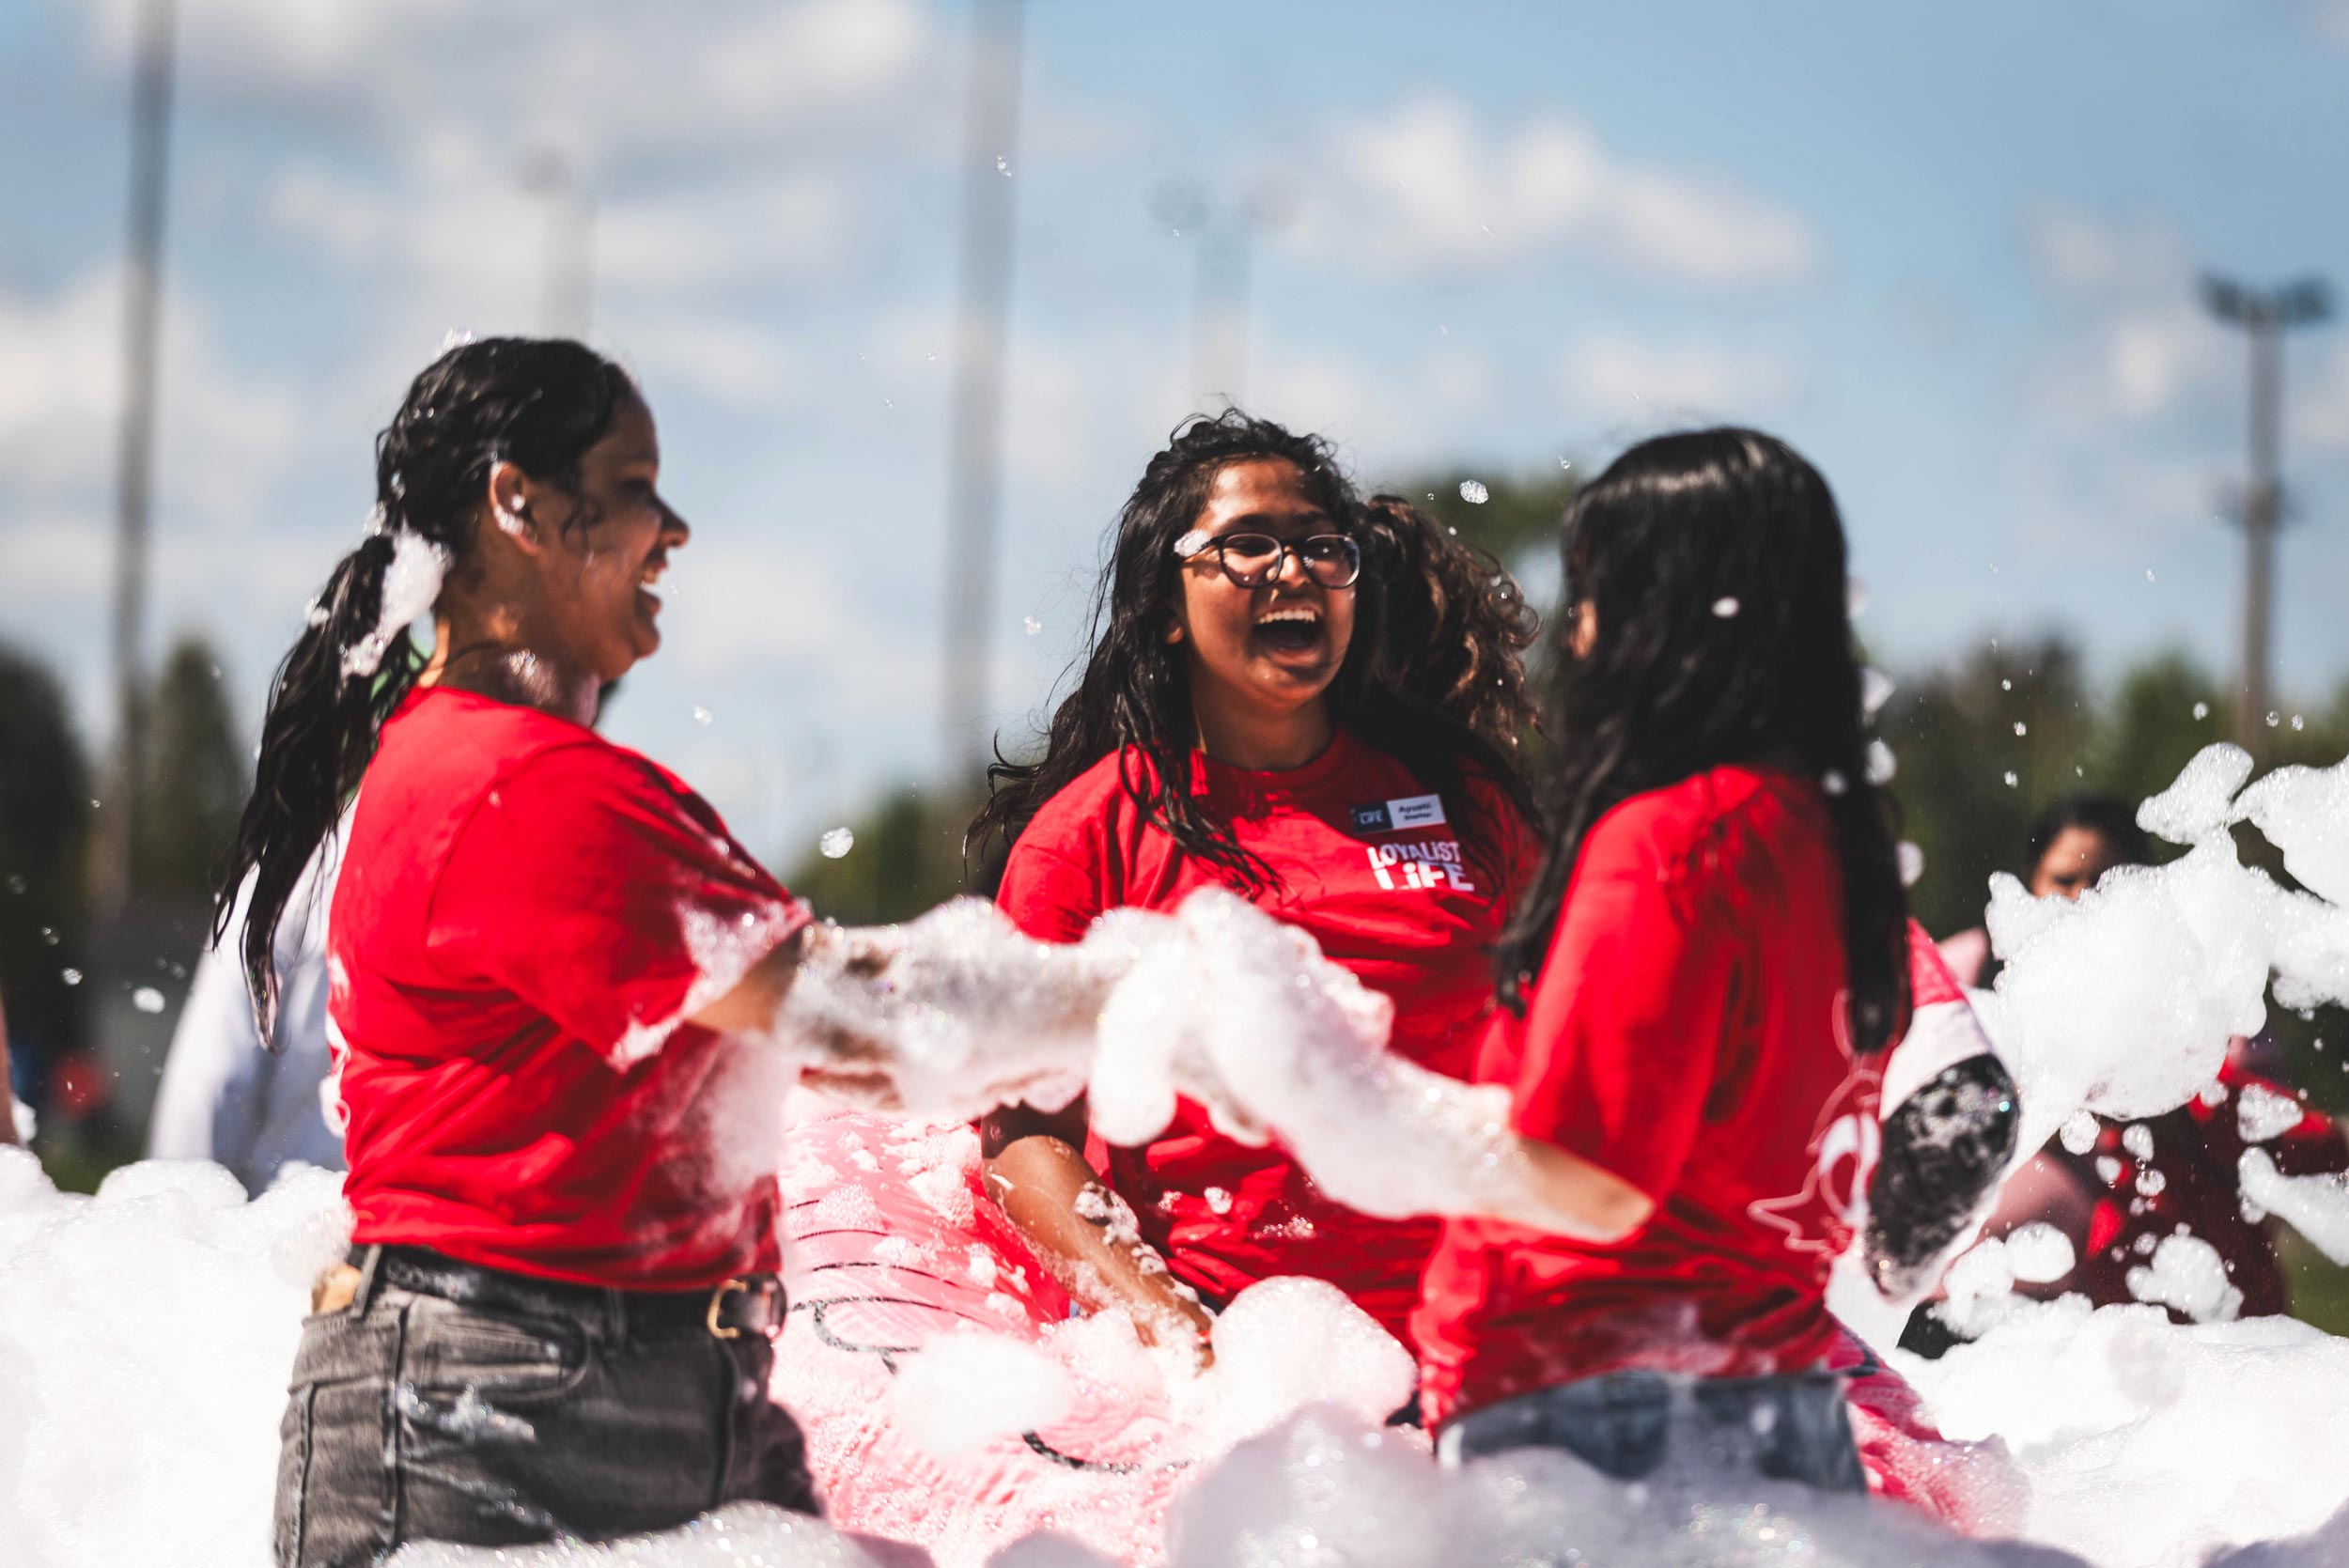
(1292, 574)
(674, 530)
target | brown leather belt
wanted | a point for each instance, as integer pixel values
(747, 1304)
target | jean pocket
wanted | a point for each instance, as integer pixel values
(451, 1348)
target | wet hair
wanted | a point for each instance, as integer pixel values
(1456, 625)
(1446, 709)
(537, 403)
(2109, 817)
(1713, 563)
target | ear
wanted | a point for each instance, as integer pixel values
(1174, 633)
(511, 494)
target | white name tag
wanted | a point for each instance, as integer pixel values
(1416, 811)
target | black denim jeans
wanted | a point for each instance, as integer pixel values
(483, 1407)
(1631, 1425)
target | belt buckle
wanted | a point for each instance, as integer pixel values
(717, 1304)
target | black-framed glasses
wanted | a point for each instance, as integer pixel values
(1252, 559)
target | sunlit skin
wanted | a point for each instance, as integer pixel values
(2073, 864)
(1260, 706)
(554, 599)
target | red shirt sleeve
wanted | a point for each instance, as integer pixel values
(1047, 895)
(593, 889)
(1623, 1033)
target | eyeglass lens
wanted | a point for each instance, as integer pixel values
(1252, 560)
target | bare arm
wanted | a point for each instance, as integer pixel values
(8, 1095)
(1081, 1233)
(1609, 1207)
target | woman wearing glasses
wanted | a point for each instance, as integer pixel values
(1314, 701)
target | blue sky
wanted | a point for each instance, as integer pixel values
(1949, 252)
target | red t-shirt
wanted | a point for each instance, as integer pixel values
(1374, 868)
(1684, 1034)
(526, 913)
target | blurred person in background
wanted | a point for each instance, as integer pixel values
(1318, 704)
(228, 1097)
(2073, 841)
(2115, 1197)
(1700, 985)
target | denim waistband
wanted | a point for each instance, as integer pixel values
(747, 1304)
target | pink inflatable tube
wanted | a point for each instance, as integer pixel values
(891, 1247)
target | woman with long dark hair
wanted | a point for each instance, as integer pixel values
(559, 985)
(1318, 703)
(1701, 979)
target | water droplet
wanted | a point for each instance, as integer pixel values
(2021, 728)
(48, 935)
(2298, 723)
(72, 977)
(147, 999)
(1912, 864)
(1474, 493)
(1833, 781)
(2006, 686)
(701, 714)
(1003, 167)
(1563, 464)
(2149, 574)
(837, 842)
(2013, 779)
(1031, 626)
(2201, 711)
(1725, 607)
(2274, 719)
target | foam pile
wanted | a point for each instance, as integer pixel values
(145, 1339)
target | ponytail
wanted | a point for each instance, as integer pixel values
(540, 403)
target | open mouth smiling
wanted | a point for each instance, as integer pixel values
(1289, 629)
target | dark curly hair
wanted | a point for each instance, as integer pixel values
(535, 402)
(1432, 676)
(1713, 563)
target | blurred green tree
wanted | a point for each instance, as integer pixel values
(1514, 523)
(44, 840)
(1981, 746)
(196, 779)
(906, 857)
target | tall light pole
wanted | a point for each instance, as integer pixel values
(2264, 315)
(1225, 237)
(567, 300)
(150, 147)
(974, 460)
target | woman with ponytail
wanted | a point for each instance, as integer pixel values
(1700, 983)
(1317, 703)
(561, 989)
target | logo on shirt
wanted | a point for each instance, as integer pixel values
(1390, 816)
(1438, 866)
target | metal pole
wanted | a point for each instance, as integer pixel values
(568, 281)
(975, 456)
(2262, 503)
(150, 146)
(2264, 315)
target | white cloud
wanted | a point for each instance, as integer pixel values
(471, 220)
(2132, 343)
(581, 73)
(1612, 377)
(2320, 411)
(221, 433)
(1427, 188)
